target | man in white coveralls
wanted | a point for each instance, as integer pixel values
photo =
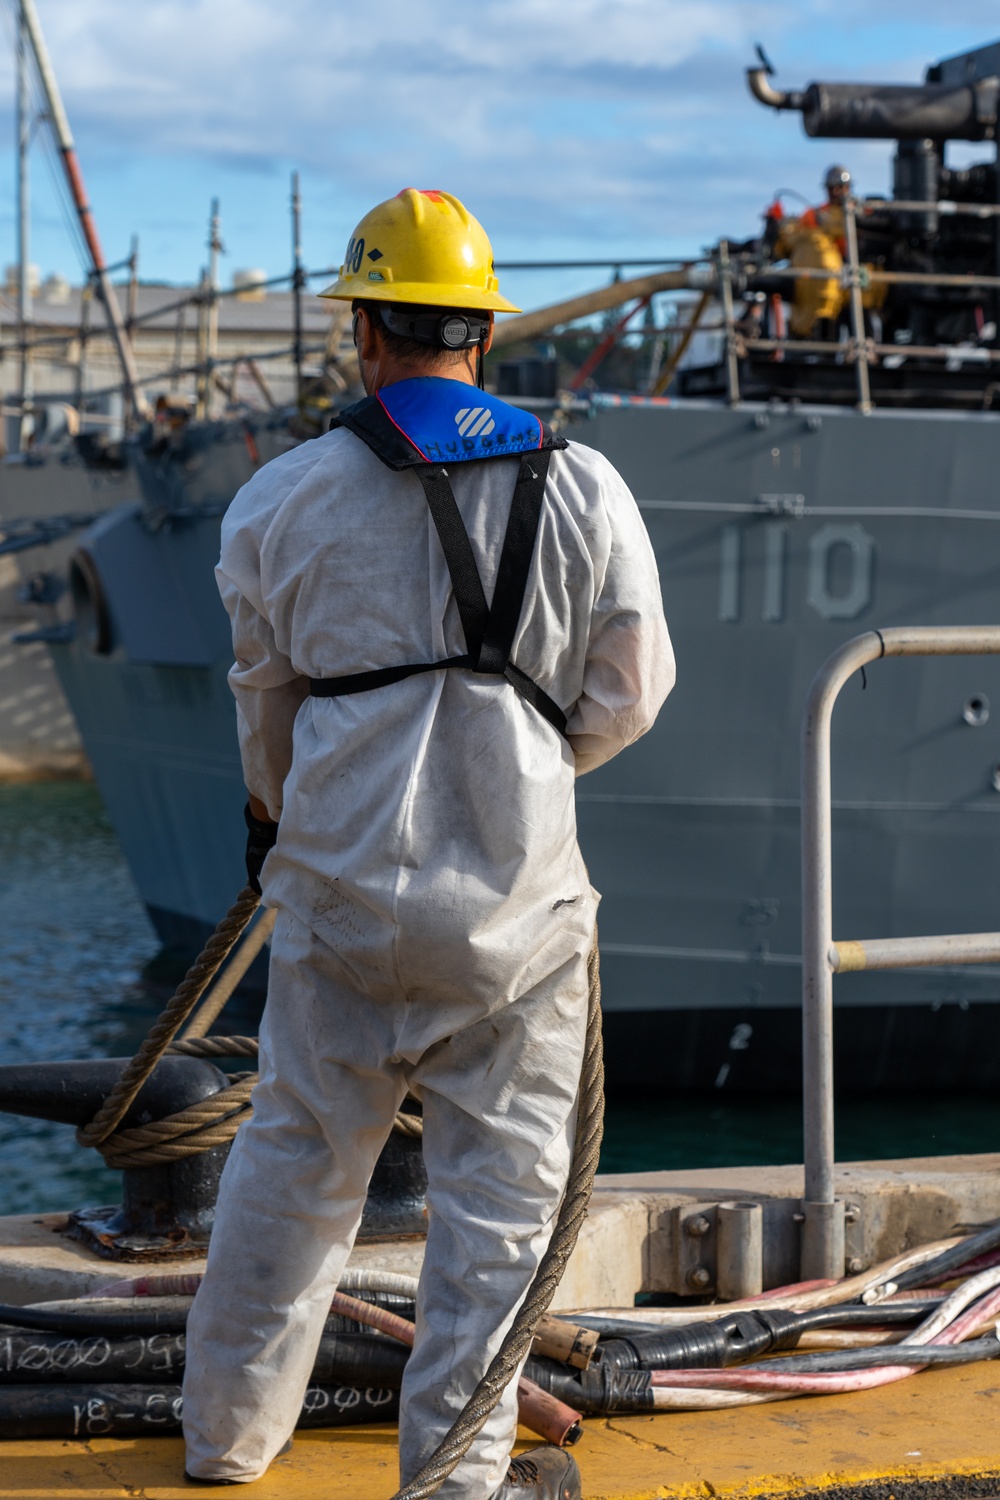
(410, 752)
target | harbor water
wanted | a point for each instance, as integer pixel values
(81, 976)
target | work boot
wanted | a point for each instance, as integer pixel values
(547, 1473)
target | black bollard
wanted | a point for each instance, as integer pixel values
(165, 1210)
(395, 1206)
(168, 1211)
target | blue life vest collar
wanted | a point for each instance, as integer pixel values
(429, 420)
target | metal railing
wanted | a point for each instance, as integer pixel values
(822, 1247)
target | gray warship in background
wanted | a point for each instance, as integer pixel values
(797, 491)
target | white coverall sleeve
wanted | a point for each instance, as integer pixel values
(268, 693)
(630, 662)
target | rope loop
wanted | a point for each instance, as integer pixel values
(209, 1123)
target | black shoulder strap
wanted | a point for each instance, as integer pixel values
(369, 421)
(515, 562)
(457, 549)
(489, 634)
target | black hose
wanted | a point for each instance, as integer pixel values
(886, 1354)
(113, 1410)
(602, 1390)
(858, 1315)
(139, 1321)
(349, 1359)
(596, 1391)
(610, 1327)
(31, 1358)
(119, 1322)
(740, 1336)
(698, 1346)
(950, 1260)
(628, 1328)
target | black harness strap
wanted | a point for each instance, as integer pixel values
(489, 630)
(363, 682)
(515, 563)
(457, 549)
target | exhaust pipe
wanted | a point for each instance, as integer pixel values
(762, 89)
(888, 111)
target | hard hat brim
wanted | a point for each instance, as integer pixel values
(426, 294)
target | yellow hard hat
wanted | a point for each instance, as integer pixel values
(422, 247)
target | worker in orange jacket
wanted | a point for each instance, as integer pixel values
(816, 239)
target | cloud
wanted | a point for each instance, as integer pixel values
(562, 121)
(303, 78)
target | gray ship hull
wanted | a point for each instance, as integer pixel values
(38, 736)
(779, 534)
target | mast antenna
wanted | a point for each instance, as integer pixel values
(31, 28)
(24, 290)
(298, 281)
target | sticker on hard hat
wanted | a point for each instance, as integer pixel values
(352, 260)
(448, 421)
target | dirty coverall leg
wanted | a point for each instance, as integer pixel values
(499, 1100)
(289, 1206)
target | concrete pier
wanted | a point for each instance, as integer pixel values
(638, 1235)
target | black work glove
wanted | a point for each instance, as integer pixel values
(262, 835)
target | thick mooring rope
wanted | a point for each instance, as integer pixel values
(213, 1121)
(201, 1127)
(215, 1046)
(177, 1010)
(224, 988)
(586, 1150)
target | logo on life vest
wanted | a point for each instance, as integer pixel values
(475, 421)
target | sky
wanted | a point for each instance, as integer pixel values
(573, 129)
